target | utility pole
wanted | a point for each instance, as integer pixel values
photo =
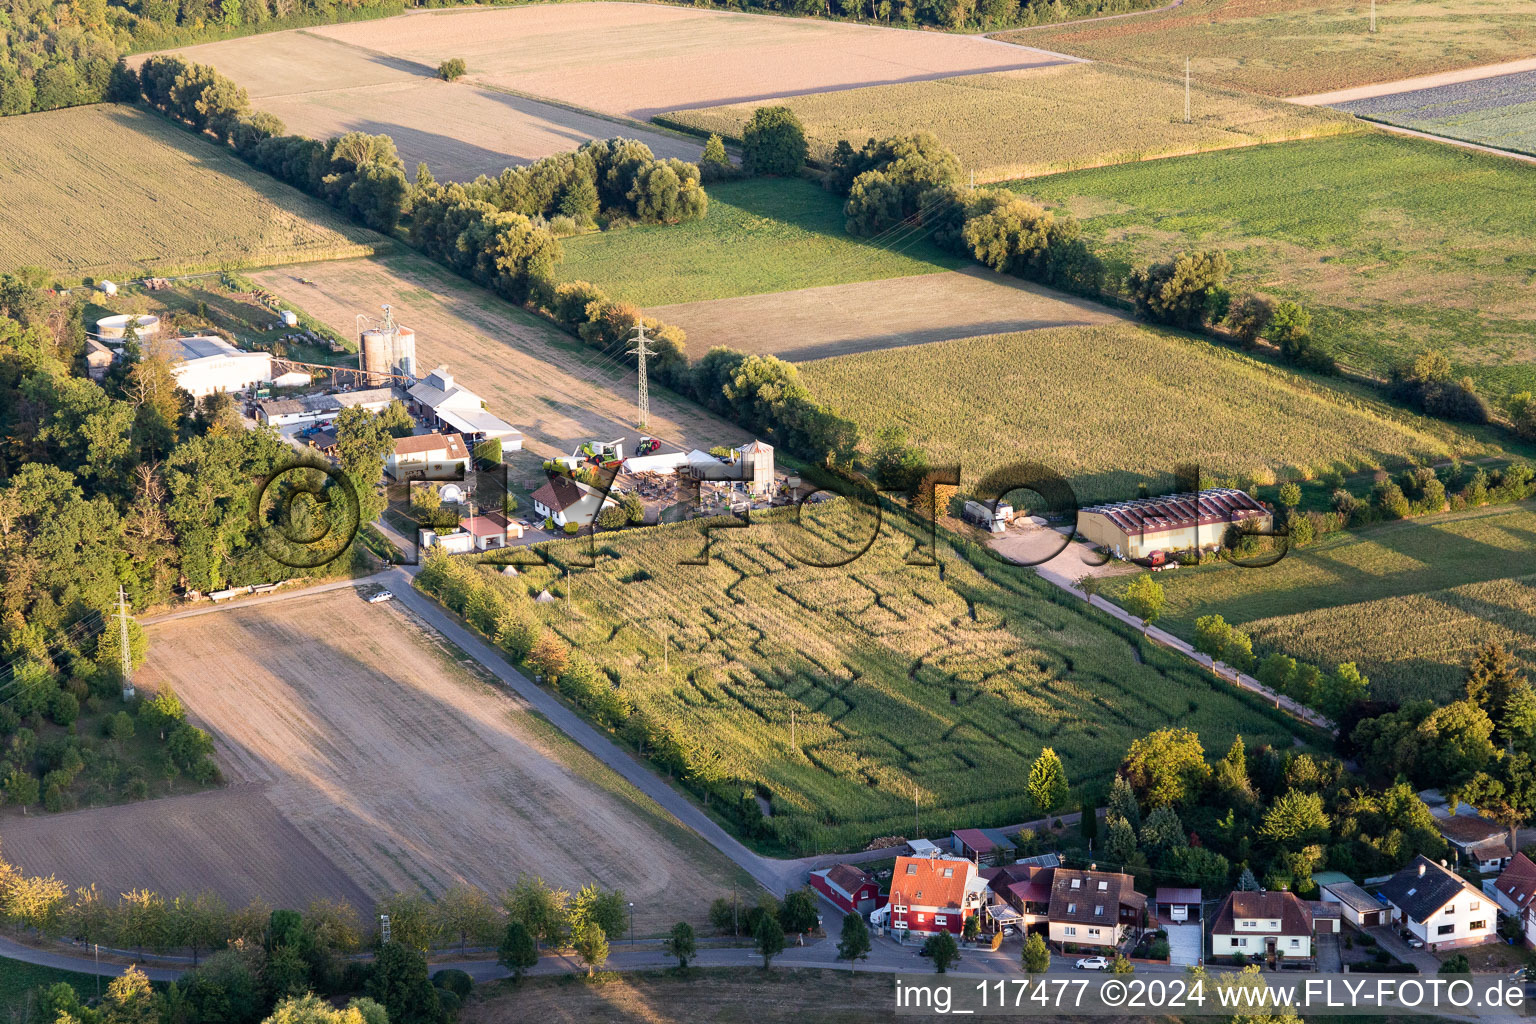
(645, 398)
(666, 652)
(973, 181)
(1186, 88)
(916, 828)
(1373, 15)
(567, 593)
(792, 727)
(122, 619)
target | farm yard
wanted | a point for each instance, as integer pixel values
(761, 235)
(1408, 601)
(818, 323)
(1393, 244)
(637, 60)
(1114, 406)
(1498, 112)
(1018, 124)
(555, 392)
(1297, 47)
(899, 679)
(323, 718)
(323, 87)
(99, 190)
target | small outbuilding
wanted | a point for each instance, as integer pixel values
(846, 887)
(1177, 905)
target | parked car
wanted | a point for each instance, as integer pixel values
(1093, 963)
(380, 597)
(1414, 942)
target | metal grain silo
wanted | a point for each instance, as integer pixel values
(373, 356)
(405, 350)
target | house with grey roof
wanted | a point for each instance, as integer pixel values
(1439, 906)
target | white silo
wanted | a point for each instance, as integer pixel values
(405, 350)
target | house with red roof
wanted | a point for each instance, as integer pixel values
(846, 887)
(1515, 889)
(1257, 924)
(985, 846)
(931, 895)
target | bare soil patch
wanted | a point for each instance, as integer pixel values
(816, 323)
(642, 59)
(231, 841)
(533, 376)
(407, 770)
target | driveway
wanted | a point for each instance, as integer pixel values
(1329, 959)
(1183, 944)
(1393, 943)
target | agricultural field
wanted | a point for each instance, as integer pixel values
(899, 679)
(92, 191)
(1297, 47)
(833, 320)
(1498, 112)
(735, 996)
(322, 87)
(1110, 407)
(1408, 601)
(760, 235)
(1393, 244)
(1009, 124)
(637, 60)
(531, 374)
(488, 790)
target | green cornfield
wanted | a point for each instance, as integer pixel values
(93, 191)
(1111, 407)
(839, 694)
(1017, 124)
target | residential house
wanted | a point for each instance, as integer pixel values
(1439, 906)
(453, 407)
(1176, 905)
(1257, 924)
(986, 846)
(1094, 908)
(846, 887)
(1174, 522)
(565, 500)
(1514, 889)
(933, 894)
(98, 359)
(1356, 905)
(490, 530)
(1475, 838)
(429, 457)
(1024, 890)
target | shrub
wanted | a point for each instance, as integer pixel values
(1180, 291)
(714, 164)
(451, 69)
(456, 981)
(773, 142)
(572, 528)
(1248, 316)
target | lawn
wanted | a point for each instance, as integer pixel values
(1407, 601)
(840, 694)
(1111, 407)
(1498, 112)
(761, 235)
(1009, 125)
(1394, 244)
(93, 191)
(1299, 47)
(17, 980)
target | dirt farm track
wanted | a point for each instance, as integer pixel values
(363, 759)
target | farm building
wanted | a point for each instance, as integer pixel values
(1514, 888)
(490, 530)
(1177, 905)
(454, 407)
(98, 359)
(324, 442)
(1175, 522)
(751, 464)
(1439, 906)
(563, 500)
(1473, 836)
(986, 846)
(1274, 923)
(429, 457)
(932, 894)
(1093, 908)
(292, 379)
(286, 412)
(846, 887)
(1357, 906)
(206, 364)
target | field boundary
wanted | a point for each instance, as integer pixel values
(1418, 82)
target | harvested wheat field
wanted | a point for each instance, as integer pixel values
(816, 323)
(407, 770)
(231, 841)
(323, 87)
(1017, 124)
(111, 189)
(532, 376)
(640, 59)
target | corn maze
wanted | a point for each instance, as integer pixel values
(836, 694)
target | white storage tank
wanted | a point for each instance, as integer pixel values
(405, 350)
(112, 328)
(108, 287)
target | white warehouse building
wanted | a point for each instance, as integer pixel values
(205, 365)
